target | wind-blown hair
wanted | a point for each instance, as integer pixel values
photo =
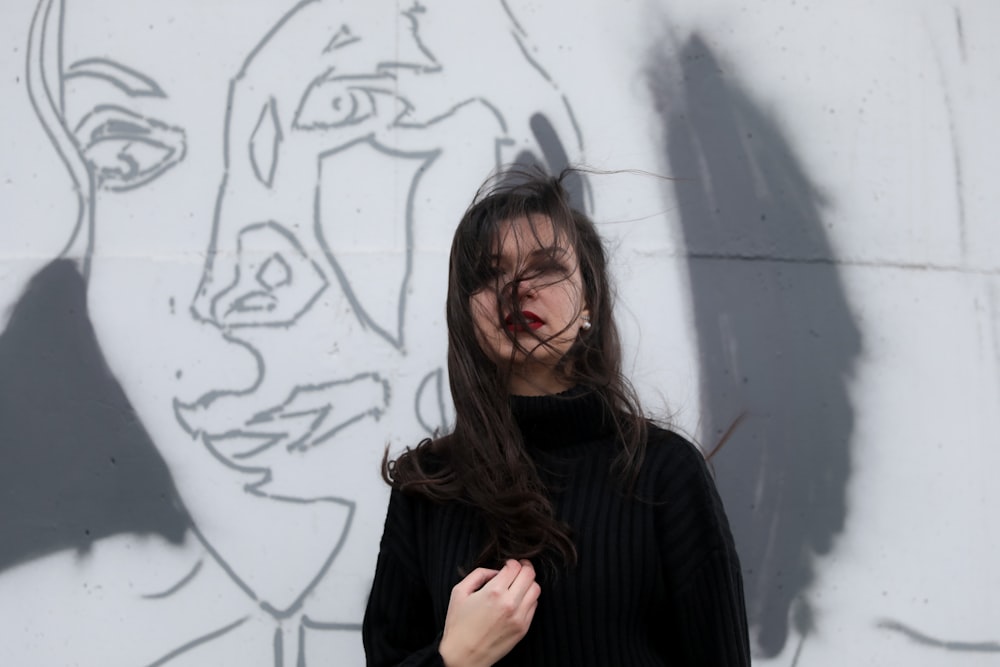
(483, 462)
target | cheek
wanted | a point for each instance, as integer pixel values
(484, 314)
(569, 300)
(481, 305)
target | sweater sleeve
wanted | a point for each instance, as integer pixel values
(398, 628)
(702, 570)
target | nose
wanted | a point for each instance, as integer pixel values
(520, 290)
(268, 281)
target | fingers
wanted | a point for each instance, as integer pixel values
(515, 576)
(475, 580)
(507, 574)
(523, 581)
(530, 603)
(489, 612)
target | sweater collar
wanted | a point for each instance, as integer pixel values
(559, 420)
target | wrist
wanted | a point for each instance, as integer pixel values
(453, 656)
(448, 656)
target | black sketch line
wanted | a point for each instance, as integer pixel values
(513, 19)
(375, 409)
(433, 382)
(270, 137)
(953, 139)
(183, 581)
(59, 68)
(297, 602)
(279, 647)
(322, 625)
(946, 644)
(266, 273)
(519, 40)
(395, 337)
(340, 39)
(115, 148)
(344, 402)
(399, 122)
(49, 113)
(184, 648)
(130, 81)
(374, 412)
(286, 17)
(232, 302)
(212, 395)
(411, 17)
(134, 137)
(267, 441)
(501, 121)
(361, 101)
(230, 99)
(960, 34)
(240, 311)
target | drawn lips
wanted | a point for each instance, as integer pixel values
(528, 320)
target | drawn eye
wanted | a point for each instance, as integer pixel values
(330, 103)
(126, 150)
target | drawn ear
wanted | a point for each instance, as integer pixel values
(125, 150)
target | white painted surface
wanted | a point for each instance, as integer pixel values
(891, 114)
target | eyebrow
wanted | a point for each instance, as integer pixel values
(554, 252)
(131, 81)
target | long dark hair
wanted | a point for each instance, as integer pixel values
(483, 462)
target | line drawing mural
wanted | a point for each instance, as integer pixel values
(302, 336)
(234, 300)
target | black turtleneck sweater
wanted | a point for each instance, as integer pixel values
(657, 581)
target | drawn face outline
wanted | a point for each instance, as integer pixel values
(412, 133)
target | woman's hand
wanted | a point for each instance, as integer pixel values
(488, 613)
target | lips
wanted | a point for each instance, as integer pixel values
(528, 320)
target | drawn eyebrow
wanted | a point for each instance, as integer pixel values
(132, 82)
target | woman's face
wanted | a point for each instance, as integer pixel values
(537, 278)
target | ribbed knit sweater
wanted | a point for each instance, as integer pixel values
(657, 580)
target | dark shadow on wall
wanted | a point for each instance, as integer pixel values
(776, 337)
(75, 463)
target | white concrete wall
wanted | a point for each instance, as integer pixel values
(252, 204)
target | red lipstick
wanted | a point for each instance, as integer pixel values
(528, 320)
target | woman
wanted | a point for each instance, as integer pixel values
(554, 525)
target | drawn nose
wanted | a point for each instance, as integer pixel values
(269, 280)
